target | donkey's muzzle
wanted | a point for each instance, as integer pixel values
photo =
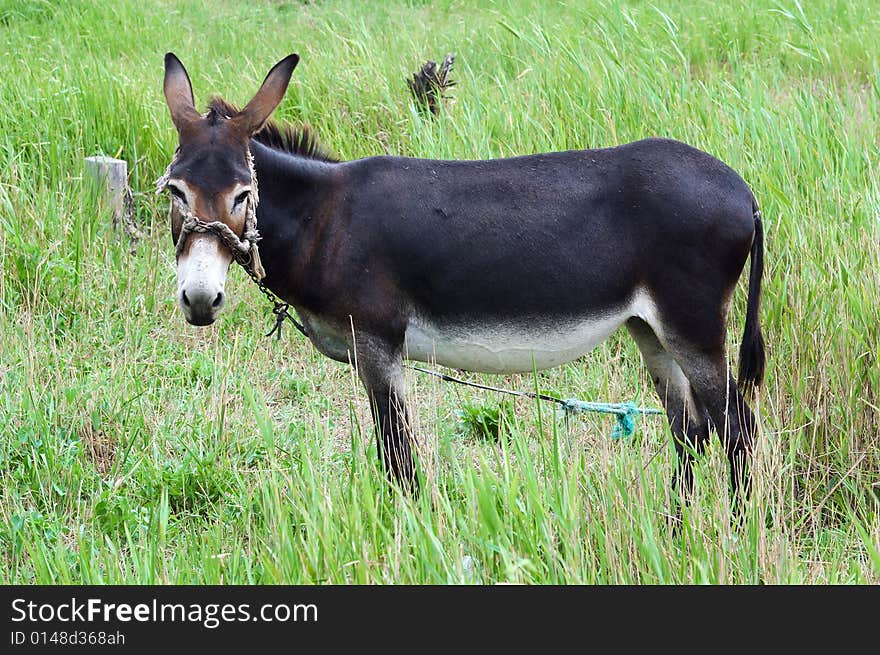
(201, 305)
(201, 277)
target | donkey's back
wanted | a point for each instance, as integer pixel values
(548, 238)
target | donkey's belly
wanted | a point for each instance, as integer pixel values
(508, 348)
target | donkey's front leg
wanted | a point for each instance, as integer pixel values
(380, 368)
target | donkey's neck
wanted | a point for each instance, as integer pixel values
(284, 177)
(294, 191)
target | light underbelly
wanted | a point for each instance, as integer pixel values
(496, 347)
(507, 348)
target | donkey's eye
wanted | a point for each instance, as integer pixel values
(177, 193)
(240, 198)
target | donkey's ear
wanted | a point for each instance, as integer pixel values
(178, 92)
(257, 112)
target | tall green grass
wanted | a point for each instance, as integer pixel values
(134, 448)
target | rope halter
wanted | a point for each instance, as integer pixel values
(244, 249)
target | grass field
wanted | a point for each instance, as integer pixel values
(135, 448)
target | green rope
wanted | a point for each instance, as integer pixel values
(625, 412)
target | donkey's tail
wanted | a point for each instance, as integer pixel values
(751, 352)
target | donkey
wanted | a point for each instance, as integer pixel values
(496, 266)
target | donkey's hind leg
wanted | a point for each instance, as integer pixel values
(380, 368)
(687, 415)
(709, 375)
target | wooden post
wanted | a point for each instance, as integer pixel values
(111, 175)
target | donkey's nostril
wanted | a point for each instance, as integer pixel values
(218, 300)
(185, 299)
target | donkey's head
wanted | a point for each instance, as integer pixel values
(212, 184)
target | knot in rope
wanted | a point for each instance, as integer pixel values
(624, 412)
(244, 249)
(281, 313)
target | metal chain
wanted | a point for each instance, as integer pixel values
(279, 308)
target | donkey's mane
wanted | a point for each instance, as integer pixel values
(297, 140)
